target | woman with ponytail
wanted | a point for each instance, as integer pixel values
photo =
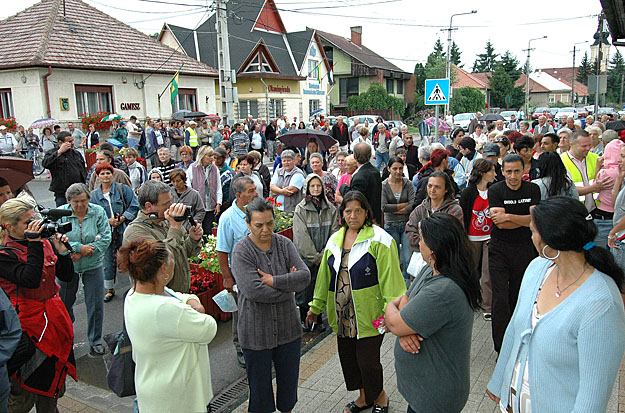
(564, 344)
(170, 333)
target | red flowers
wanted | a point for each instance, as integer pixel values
(201, 279)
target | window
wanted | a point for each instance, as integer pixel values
(400, 87)
(348, 87)
(94, 99)
(313, 105)
(552, 98)
(248, 107)
(259, 64)
(6, 104)
(186, 100)
(275, 108)
(564, 98)
(389, 86)
(329, 51)
(313, 69)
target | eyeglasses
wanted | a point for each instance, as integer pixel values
(500, 139)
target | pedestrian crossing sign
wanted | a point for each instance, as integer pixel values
(437, 91)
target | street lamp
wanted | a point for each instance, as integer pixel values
(527, 75)
(573, 80)
(448, 60)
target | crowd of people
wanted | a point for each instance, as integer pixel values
(389, 236)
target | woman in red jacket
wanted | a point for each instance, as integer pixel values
(30, 265)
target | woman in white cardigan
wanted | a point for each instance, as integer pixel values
(169, 333)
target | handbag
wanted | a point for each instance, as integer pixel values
(416, 264)
(121, 374)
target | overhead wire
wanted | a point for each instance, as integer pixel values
(142, 11)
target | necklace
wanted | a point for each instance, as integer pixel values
(558, 291)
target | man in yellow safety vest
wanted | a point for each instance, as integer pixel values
(190, 137)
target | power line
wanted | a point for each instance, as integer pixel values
(142, 11)
(175, 15)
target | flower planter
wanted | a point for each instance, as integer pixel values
(287, 233)
(206, 299)
(90, 158)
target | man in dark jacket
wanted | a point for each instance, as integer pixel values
(367, 180)
(270, 136)
(340, 132)
(412, 151)
(66, 165)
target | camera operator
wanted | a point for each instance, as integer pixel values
(30, 265)
(89, 237)
(156, 220)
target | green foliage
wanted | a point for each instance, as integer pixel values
(615, 76)
(376, 97)
(455, 55)
(485, 62)
(467, 99)
(583, 70)
(501, 84)
(559, 105)
(510, 64)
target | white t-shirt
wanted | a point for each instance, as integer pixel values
(107, 196)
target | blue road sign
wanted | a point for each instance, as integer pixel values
(437, 91)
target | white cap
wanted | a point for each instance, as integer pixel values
(2, 127)
(193, 122)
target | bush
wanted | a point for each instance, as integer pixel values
(9, 123)
(89, 118)
(376, 97)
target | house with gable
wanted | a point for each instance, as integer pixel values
(277, 73)
(63, 58)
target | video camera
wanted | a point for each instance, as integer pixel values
(187, 215)
(50, 223)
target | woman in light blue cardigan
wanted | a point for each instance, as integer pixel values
(565, 341)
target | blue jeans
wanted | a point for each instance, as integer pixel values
(397, 230)
(109, 271)
(381, 160)
(285, 360)
(604, 226)
(93, 288)
(619, 254)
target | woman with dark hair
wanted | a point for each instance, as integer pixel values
(440, 198)
(439, 161)
(433, 322)
(268, 271)
(170, 333)
(478, 223)
(312, 146)
(565, 342)
(454, 150)
(504, 147)
(245, 167)
(301, 125)
(48, 141)
(354, 292)
(397, 200)
(183, 194)
(554, 179)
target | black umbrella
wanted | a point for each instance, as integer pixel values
(17, 171)
(491, 117)
(193, 115)
(299, 138)
(180, 115)
(615, 125)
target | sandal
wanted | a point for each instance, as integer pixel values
(354, 408)
(381, 409)
(110, 293)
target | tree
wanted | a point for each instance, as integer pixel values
(455, 55)
(615, 77)
(583, 70)
(439, 50)
(376, 97)
(502, 84)
(467, 99)
(485, 62)
(510, 65)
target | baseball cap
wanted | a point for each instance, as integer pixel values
(491, 149)
(193, 122)
(220, 152)
(2, 127)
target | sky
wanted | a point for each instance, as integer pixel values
(403, 31)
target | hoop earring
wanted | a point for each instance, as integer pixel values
(550, 258)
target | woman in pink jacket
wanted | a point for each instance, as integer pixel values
(605, 209)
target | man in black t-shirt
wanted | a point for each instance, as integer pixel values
(511, 249)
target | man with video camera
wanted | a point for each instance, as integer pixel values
(161, 220)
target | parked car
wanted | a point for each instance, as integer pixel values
(539, 111)
(361, 120)
(582, 112)
(390, 124)
(462, 120)
(564, 113)
(507, 115)
(590, 109)
(607, 111)
(554, 111)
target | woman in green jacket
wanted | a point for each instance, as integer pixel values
(358, 276)
(90, 237)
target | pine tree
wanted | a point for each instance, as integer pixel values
(455, 55)
(439, 50)
(501, 84)
(511, 65)
(485, 62)
(615, 77)
(419, 72)
(583, 70)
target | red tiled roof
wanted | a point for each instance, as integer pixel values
(565, 75)
(464, 78)
(534, 86)
(85, 38)
(482, 77)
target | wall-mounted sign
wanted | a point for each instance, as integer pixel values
(130, 106)
(313, 51)
(64, 102)
(281, 89)
(313, 85)
(313, 92)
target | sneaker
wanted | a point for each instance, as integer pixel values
(241, 360)
(320, 328)
(305, 327)
(97, 350)
(487, 317)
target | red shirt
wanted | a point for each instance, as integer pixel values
(481, 222)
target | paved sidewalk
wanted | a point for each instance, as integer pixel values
(321, 386)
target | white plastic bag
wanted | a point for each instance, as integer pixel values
(225, 300)
(416, 264)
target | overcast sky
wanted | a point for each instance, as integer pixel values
(403, 31)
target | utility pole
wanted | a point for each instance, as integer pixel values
(527, 76)
(448, 59)
(223, 58)
(599, 58)
(573, 80)
(620, 96)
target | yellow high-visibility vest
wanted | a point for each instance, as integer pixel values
(192, 137)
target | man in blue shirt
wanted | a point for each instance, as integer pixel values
(232, 228)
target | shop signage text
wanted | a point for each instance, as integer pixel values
(130, 106)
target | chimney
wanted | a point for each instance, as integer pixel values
(357, 35)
